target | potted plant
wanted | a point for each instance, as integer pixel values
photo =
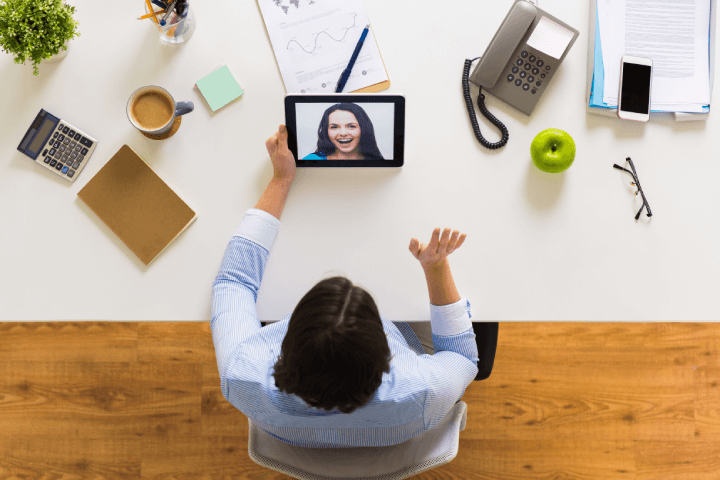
(36, 29)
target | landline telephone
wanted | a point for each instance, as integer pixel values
(518, 64)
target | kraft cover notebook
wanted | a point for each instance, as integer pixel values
(136, 204)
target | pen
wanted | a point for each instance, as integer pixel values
(346, 73)
(170, 8)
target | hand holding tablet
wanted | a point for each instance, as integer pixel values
(335, 130)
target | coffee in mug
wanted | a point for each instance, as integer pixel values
(152, 109)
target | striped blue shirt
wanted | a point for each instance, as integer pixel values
(413, 397)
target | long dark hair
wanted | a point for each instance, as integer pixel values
(368, 144)
(335, 350)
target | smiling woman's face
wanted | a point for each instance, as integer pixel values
(344, 132)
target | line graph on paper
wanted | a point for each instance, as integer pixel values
(324, 41)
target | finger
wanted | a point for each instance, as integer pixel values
(283, 135)
(414, 247)
(444, 241)
(271, 144)
(434, 240)
(453, 241)
(460, 240)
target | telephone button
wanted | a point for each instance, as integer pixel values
(519, 61)
(526, 87)
(518, 82)
(538, 83)
(535, 71)
(531, 79)
(532, 58)
(547, 67)
(528, 66)
(515, 69)
(523, 74)
(524, 54)
(533, 91)
(540, 63)
(510, 77)
(542, 75)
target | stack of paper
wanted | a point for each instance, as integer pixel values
(673, 34)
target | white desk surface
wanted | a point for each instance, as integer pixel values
(539, 247)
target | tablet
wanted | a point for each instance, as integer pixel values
(341, 130)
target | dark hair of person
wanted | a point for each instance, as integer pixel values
(335, 350)
(368, 144)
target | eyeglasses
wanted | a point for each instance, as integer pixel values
(637, 184)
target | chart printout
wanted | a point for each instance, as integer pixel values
(313, 41)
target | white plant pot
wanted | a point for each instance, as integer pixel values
(58, 56)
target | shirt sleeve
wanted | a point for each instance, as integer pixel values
(454, 364)
(236, 286)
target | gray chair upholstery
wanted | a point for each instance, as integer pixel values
(430, 449)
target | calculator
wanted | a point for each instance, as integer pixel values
(57, 145)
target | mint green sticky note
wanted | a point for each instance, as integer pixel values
(219, 88)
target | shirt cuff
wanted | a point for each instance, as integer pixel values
(450, 319)
(258, 226)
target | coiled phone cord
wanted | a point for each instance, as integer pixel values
(483, 109)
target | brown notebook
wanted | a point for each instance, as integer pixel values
(137, 205)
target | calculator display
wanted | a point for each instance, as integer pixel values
(42, 135)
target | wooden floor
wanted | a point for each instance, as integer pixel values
(564, 401)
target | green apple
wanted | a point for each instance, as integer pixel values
(553, 150)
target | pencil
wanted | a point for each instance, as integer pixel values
(151, 14)
(149, 5)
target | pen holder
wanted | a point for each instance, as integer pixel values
(177, 29)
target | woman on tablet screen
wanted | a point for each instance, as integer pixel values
(346, 133)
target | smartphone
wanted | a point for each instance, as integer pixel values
(635, 88)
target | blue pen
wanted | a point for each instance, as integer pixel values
(346, 74)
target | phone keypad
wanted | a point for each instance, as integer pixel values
(531, 64)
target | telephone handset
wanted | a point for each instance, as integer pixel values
(518, 64)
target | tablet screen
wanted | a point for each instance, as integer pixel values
(345, 131)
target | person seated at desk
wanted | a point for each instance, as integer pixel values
(346, 133)
(335, 373)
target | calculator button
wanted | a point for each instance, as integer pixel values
(72, 144)
(66, 130)
(518, 82)
(78, 148)
(515, 69)
(535, 71)
(59, 166)
(523, 74)
(58, 155)
(528, 66)
(73, 155)
(52, 152)
(532, 58)
(88, 143)
(53, 163)
(77, 136)
(84, 151)
(533, 91)
(540, 63)
(56, 144)
(538, 83)
(61, 138)
(62, 148)
(531, 79)
(45, 152)
(510, 77)
(72, 133)
(65, 169)
(542, 75)
(71, 173)
(524, 54)
(68, 161)
(80, 158)
(66, 141)
(48, 159)
(75, 165)
(55, 134)
(526, 87)
(519, 61)
(547, 67)
(61, 126)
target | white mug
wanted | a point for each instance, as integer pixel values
(177, 108)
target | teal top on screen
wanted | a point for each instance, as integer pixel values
(346, 130)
